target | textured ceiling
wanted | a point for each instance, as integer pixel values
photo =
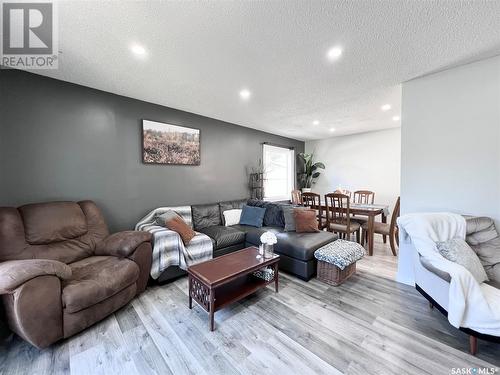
(200, 54)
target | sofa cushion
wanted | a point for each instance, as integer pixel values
(288, 214)
(458, 251)
(95, 279)
(182, 211)
(479, 229)
(178, 225)
(305, 221)
(231, 205)
(489, 255)
(300, 246)
(224, 236)
(255, 231)
(52, 222)
(79, 320)
(206, 215)
(231, 217)
(339, 227)
(274, 212)
(483, 237)
(253, 216)
(494, 284)
(162, 219)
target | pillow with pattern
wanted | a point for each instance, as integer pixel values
(458, 251)
(341, 253)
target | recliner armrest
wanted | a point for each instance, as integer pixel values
(122, 244)
(14, 273)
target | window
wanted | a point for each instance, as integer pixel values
(279, 169)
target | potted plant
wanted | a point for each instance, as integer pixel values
(311, 173)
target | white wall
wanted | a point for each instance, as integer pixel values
(451, 145)
(360, 161)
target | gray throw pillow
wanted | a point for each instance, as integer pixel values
(458, 251)
(166, 216)
(290, 218)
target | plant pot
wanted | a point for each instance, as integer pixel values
(306, 190)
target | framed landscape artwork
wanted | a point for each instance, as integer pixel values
(169, 144)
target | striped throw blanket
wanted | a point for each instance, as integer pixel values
(168, 248)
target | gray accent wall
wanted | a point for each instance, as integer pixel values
(61, 141)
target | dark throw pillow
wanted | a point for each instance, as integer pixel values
(252, 216)
(305, 221)
(274, 212)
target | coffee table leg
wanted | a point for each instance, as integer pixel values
(276, 277)
(211, 312)
(190, 292)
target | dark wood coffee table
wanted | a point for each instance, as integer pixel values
(227, 279)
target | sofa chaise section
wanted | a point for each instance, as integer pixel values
(296, 250)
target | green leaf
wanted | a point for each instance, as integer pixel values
(308, 166)
(316, 175)
(319, 165)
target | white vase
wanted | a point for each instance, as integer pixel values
(306, 190)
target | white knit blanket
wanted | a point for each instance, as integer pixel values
(168, 248)
(471, 305)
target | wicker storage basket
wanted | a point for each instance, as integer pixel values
(331, 274)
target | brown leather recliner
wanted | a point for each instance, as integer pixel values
(61, 271)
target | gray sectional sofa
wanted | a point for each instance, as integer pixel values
(295, 249)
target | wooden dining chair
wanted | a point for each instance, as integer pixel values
(338, 216)
(296, 197)
(364, 196)
(313, 201)
(345, 192)
(385, 229)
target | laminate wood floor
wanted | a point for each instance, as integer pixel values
(369, 325)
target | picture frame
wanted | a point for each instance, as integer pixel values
(170, 144)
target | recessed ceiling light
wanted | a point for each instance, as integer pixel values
(245, 94)
(138, 50)
(395, 118)
(385, 107)
(315, 122)
(334, 53)
(332, 129)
